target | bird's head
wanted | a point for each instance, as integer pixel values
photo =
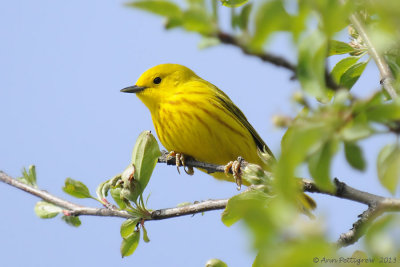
(160, 82)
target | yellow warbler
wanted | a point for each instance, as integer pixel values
(193, 117)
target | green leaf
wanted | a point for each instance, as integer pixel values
(297, 250)
(173, 23)
(233, 3)
(197, 3)
(271, 16)
(144, 158)
(394, 63)
(76, 189)
(379, 238)
(350, 76)
(162, 8)
(319, 164)
(384, 112)
(238, 206)
(207, 42)
(338, 48)
(311, 66)
(72, 220)
(243, 19)
(29, 177)
(215, 263)
(46, 210)
(116, 195)
(198, 20)
(128, 227)
(375, 100)
(145, 236)
(102, 189)
(299, 21)
(130, 243)
(388, 166)
(299, 140)
(333, 15)
(357, 129)
(342, 66)
(354, 156)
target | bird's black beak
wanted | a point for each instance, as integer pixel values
(133, 89)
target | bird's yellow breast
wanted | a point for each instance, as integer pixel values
(194, 123)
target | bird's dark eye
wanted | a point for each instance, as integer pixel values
(157, 80)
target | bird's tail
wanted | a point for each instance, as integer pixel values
(307, 204)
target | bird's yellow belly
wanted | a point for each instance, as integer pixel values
(205, 134)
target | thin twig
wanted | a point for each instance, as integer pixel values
(212, 204)
(387, 78)
(377, 204)
(279, 61)
(358, 229)
(226, 38)
(366, 218)
(342, 190)
(77, 210)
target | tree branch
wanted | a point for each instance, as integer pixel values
(366, 218)
(217, 204)
(344, 191)
(226, 38)
(77, 210)
(387, 78)
(376, 204)
(279, 61)
(358, 228)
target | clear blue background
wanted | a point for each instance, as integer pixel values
(62, 66)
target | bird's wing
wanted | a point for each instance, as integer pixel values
(231, 107)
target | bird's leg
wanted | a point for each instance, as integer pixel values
(177, 159)
(189, 170)
(180, 161)
(234, 166)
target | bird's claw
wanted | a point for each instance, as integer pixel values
(234, 166)
(180, 161)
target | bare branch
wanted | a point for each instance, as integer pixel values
(387, 78)
(77, 210)
(217, 204)
(74, 209)
(366, 218)
(358, 229)
(279, 61)
(226, 38)
(342, 190)
(376, 204)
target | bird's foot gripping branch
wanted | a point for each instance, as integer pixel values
(261, 205)
(126, 189)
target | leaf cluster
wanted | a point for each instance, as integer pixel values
(126, 189)
(331, 119)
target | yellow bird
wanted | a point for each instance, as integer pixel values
(193, 117)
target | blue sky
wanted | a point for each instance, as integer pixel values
(62, 66)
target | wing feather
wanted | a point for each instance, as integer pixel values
(232, 108)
